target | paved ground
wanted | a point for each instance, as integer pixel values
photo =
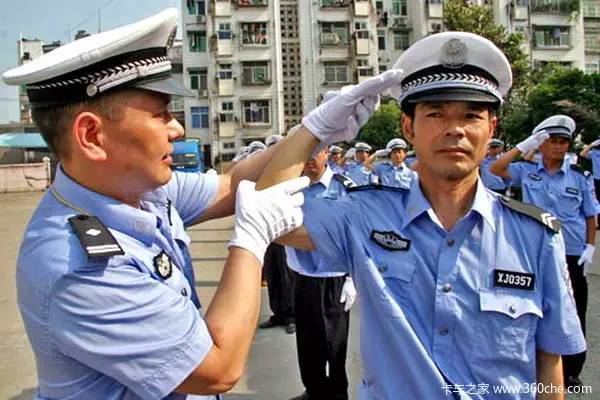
(272, 372)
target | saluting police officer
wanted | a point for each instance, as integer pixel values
(357, 170)
(491, 181)
(334, 159)
(592, 152)
(567, 191)
(394, 172)
(458, 286)
(104, 275)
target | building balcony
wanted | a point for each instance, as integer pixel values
(334, 3)
(555, 6)
(251, 3)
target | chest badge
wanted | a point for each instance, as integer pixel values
(572, 190)
(513, 279)
(390, 241)
(535, 177)
(163, 265)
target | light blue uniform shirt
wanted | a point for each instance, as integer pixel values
(335, 167)
(594, 155)
(358, 173)
(113, 329)
(567, 194)
(304, 262)
(387, 174)
(431, 309)
(490, 180)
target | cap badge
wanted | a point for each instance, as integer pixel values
(91, 90)
(454, 54)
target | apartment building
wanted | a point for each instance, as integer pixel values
(591, 23)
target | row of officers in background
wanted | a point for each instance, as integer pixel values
(540, 171)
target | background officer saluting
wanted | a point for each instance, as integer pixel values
(357, 170)
(104, 276)
(457, 285)
(567, 191)
(333, 159)
(592, 152)
(491, 181)
(394, 172)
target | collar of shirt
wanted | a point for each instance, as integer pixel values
(564, 168)
(417, 204)
(113, 213)
(325, 178)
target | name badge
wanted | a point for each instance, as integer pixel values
(572, 190)
(535, 177)
(513, 279)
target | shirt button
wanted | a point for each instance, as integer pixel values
(450, 242)
(446, 288)
(383, 268)
(443, 331)
(512, 309)
(184, 292)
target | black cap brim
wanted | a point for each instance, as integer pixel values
(462, 94)
(167, 85)
(563, 135)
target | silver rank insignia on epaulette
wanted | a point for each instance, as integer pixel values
(539, 214)
(97, 241)
(163, 265)
(390, 241)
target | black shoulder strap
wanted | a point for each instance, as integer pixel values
(539, 214)
(581, 170)
(345, 181)
(96, 239)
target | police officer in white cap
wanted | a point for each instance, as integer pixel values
(334, 159)
(357, 170)
(458, 286)
(491, 181)
(567, 191)
(104, 275)
(394, 172)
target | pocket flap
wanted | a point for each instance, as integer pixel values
(513, 305)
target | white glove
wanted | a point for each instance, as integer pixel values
(348, 294)
(533, 142)
(340, 116)
(595, 143)
(382, 153)
(586, 258)
(350, 154)
(263, 216)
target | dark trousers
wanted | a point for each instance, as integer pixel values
(322, 336)
(597, 188)
(280, 282)
(573, 364)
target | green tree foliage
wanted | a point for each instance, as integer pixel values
(459, 15)
(383, 126)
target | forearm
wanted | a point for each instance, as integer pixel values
(585, 151)
(590, 234)
(500, 166)
(549, 372)
(289, 158)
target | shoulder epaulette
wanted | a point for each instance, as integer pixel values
(539, 214)
(581, 170)
(376, 186)
(345, 181)
(97, 241)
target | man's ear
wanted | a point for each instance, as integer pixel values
(493, 125)
(88, 136)
(407, 128)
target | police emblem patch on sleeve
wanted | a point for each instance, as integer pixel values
(163, 265)
(390, 241)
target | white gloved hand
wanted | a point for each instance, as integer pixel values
(382, 153)
(348, 294)
(341, 115)
(595, 143)
(586, 258)
(263, 216)
(533, 142)
(350, 154)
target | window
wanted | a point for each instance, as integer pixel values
(228, 145)
(198, 79)
(591, 8)
(434, 1)
(592, 68)
(196, 7)
(252, 3)
(592, 41)
(361, 26)
(199, 117)
(521, 3)
(334, 33)
(552, 6)
(334, 3)
(254, 33)
(227, 106)
(256, 73)
(336, 71)
(256, 111)
(399, 7)
(382, 68)
(197, 41)
(401, 41)
(225, 71)
(224, 31)
(551, 36)
(381, 39)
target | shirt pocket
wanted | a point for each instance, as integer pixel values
(571, 199)
(397, 272)
(507, 323)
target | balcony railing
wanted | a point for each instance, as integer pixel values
(555, 6)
